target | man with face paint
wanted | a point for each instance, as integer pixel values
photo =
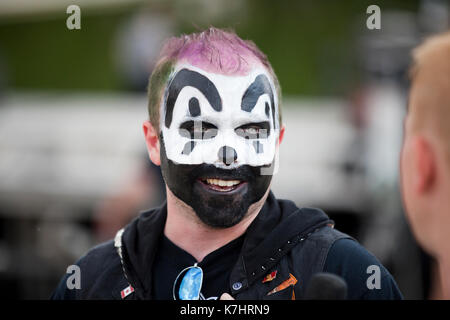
(215, 128)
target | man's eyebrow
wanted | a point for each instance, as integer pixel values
(260, 86)
(194, 79)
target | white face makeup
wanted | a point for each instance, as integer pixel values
(227, 121)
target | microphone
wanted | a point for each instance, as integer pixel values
(326, 286)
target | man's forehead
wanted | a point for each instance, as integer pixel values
(237, 81)
(224, 93)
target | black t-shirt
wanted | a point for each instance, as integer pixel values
(170, 260)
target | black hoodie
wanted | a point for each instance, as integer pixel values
(293, 242)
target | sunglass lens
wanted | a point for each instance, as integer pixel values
(191, 284)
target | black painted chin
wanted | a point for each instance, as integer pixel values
(220, 210)
(217, 209)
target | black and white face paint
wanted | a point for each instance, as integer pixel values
(217, 133)
(207, 116)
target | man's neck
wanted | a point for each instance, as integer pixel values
(444, 268)
(185, 229)
(442, 205)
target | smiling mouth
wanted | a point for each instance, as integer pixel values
(221, 185)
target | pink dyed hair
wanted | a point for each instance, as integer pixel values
(213, 50)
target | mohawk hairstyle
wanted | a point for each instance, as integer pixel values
(213, 50)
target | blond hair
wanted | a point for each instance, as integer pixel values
(429, 106)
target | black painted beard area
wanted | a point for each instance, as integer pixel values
(214, 208)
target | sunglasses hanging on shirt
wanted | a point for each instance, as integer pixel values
(188, 284)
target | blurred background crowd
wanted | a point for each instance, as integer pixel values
(73, 163)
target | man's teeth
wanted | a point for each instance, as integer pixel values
(223, 183)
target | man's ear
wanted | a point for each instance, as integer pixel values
(281, 135)
(152, 142)
(424, 164)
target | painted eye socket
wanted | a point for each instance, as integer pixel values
(257, 130)
(197, 130)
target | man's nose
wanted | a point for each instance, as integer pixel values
(227, 155)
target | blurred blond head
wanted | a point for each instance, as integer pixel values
(429, 108)
(425, 160)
